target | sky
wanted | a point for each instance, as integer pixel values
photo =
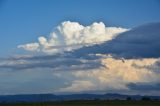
(79, 46)
(24, 21)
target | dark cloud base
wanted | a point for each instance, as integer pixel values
(139, 42)
(144, 86)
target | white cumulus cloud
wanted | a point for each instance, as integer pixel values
(72, 35)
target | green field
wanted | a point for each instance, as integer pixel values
(88, 103)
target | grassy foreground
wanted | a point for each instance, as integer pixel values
(88, 103)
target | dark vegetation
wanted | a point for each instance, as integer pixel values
(79, 100)
(128, 102)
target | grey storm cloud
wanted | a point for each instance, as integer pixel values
(139, 42)
(155, 67)
(144, 86)
(55, 62)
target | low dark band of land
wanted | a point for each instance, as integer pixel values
(89, 103)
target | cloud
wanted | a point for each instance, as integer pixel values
(127, 62)
(144, 86)
(72, 35)
(56, 62)
(78, 86)
(139, 42)
(92, 73)
(30, 47)
(154, 67)
(114, 77)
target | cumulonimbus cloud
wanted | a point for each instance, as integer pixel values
(127, 63)
(118, 75)
(72, 35)
(139, 42)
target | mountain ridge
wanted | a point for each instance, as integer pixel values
(53, 97)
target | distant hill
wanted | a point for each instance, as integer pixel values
(52, 97)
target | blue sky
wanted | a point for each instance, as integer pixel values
(80, 46)
(24, 21)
